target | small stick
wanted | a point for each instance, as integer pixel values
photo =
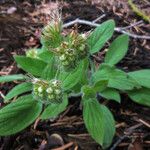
(144, 122)
(64, 146)
(132, 25)
(99, 18)
(129, 132)
(36, 123)
(76, 148)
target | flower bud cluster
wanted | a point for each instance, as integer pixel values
(51, 33)
(71, 51)
(48, 91)
(66, 55)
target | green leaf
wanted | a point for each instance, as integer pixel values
(50, 70)
(31, 65)
(70, 79)
(120, 81)
(18, 115)
(98, 121)
(111, 94)
(84, 77)
(117, 50)
(100, 36)
(109, 129)
(115, 77)
(93, 119)
(88, 91)
(46, 56)
(103, 73)
(53, 110)
(100, 85)
(140, 96)
(142, 77)
(19, 89)
(9, 78)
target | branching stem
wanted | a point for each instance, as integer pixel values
(117, 29)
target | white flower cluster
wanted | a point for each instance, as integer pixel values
(50, 91)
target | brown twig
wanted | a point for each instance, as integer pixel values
(132, 25)
(36, 122)
(144, 122)
(64, 146)
(129, 131)
(117, 29)
(99, 18)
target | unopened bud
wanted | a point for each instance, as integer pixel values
(49, 90)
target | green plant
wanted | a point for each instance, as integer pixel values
(63, 68)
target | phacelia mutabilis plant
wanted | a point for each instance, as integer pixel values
(63, 68)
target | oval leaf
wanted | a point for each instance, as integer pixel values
(109, 127)
(142, 77)
(99, 122)
(111, 94)
(19, 89)
(31, 65)
(46, 55)
(53, 110)
(70, 79)
(117, 50)
(14, 77)
(18, 115)
(100, 36)
(116, 78)
(140, 96)
(93, 119)
(50, 70)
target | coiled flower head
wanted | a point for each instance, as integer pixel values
(67, 56)
(51, 34)
(48, 91)
(71, 51)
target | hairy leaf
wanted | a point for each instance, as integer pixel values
(115, 77)
(98, 121)
(18, 115)
(31, 65)
(70, 79)
(117, 50)
(46, 56)
(50, 70)
(142, 77)
(141, 96)
(19, 89)
(100, 36)
(93, 119)
(9, 78)
(109, 127)
(53, 110)
(100, 85)
(111, 94)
